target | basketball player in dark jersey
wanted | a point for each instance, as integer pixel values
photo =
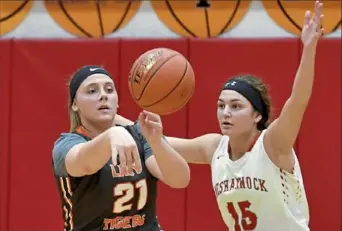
(107, 175)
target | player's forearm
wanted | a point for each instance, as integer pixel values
(303, 83)
(120, 120)
(175, 170)
(94, 154)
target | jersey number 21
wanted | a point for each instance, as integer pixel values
(126, 193)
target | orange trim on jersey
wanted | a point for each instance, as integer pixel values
(81, 130)
(67, 193)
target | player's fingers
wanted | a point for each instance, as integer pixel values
(318, 8)
(320, 33)
(318, 13)
(307, 18)
(115, 156)
(137, 160)
(319, 23)
(153, 124)
(142, 119)
(114, 152)
(151, 116)
(129, 158)
(122, 156)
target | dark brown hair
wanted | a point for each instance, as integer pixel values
(259, 85)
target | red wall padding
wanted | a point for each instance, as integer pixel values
(5, 121)
(320, 140)
(33, 102)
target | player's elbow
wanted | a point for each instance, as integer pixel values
(182, 181)
(179, 185)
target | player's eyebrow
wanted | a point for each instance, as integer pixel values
(231, 100)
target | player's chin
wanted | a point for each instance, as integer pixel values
(226, 131)
(105, 118)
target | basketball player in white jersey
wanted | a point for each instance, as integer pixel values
(256, 176)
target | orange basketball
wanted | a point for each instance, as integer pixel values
(13, 13)
(186, 19)
(290, 14)
(91, 18)
(161, 81)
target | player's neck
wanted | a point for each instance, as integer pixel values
(94, 130)
(239, 145)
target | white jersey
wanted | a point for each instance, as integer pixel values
(254, 194)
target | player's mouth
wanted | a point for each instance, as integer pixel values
(104, 108)
(226, 125)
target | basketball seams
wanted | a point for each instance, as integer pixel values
(281, 7)
(281, 12)
(172, 90)
(177, 107)
(99, 14)
(118, 25)
(134, 68)
(337, 26)
(153, 73)
(73, 22)
(22, 6)
(168, 5)
(230, 20)
(207, 22)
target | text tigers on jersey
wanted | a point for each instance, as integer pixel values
(251, 183)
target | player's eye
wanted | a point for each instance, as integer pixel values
(236, 106)
(91, 90)
(221, 106)
(109, 89)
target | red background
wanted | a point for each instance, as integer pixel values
(33, 102)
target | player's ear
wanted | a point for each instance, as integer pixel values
(258, 117)
(74, 107)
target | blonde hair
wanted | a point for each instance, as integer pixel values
(75, 120)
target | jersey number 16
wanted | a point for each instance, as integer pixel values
(248, 218)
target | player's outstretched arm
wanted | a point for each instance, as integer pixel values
(165, 163)
(77, 158)
(195, 151)
(198, 150)
(282, 133)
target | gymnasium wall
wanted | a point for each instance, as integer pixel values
(33, 104)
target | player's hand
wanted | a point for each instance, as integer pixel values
(123, 145)
(312, 29)
(151, 126)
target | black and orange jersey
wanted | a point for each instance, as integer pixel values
(108, 199)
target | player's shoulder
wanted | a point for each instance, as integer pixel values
(211, 140)
(209, 143)
(68, 139)
(61, 147)
(69, 136)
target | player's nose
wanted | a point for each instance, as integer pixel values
(226, 112)
(103, 95)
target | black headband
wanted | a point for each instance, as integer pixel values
(253, 96)
(80, 75)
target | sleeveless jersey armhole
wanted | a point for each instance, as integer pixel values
(290, 185)
(266, 156)
(221, 148)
